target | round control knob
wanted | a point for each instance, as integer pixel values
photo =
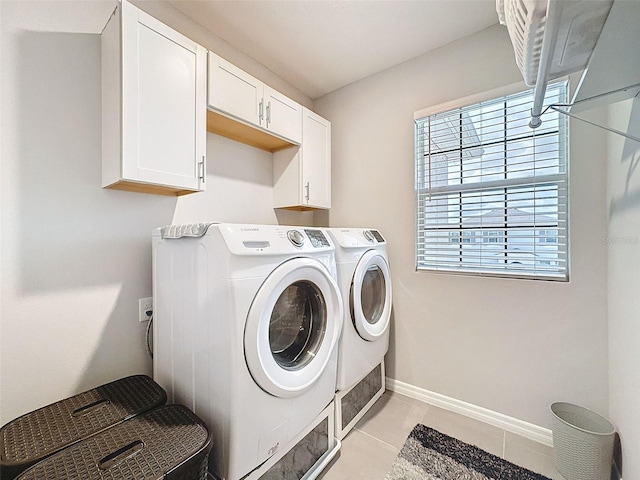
(369, 236)
(295, 237)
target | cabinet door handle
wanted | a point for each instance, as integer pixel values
(260, 114)
(268, 114)
(202, 171)
(308, 189)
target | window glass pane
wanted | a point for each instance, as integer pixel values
(493, 163)
(492, 193)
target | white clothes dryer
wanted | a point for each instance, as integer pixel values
(246, 324)
(365, 283)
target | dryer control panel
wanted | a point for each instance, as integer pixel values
(357, 237)
(377, 236)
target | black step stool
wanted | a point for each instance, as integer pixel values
(37, 435)
(167, 443)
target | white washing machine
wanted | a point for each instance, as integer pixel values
(365, 282)
(246, 324)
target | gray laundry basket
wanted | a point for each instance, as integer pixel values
(582, 442)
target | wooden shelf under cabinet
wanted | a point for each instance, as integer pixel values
(241, 132)
(149, 188)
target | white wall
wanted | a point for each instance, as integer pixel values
(239, 189)
(623, 240)
(512, 346)
(75, 258)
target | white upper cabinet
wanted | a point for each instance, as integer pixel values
(316, 160)
(302, 175)
(235, 93)
(282, 116)
(154, 106)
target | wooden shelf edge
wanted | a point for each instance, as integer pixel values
(130, 186)
(303, 208)
(235, 130)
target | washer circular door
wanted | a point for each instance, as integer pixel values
(370, 296)
(292, 327)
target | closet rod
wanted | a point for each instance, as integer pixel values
(544, 65)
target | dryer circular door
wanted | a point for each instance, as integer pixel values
(370, 296)
(292, 327)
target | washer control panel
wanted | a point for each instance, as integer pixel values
(318, 239)
(296, 237)
(248, 239)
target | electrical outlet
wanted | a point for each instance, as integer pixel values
(145, 305)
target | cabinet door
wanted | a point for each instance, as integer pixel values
(283, 116)
(234, 91)
(163, 103)
(316, 160)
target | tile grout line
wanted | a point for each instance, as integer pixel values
(401, 398)
(376, 438)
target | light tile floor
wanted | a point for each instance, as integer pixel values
(371, 447)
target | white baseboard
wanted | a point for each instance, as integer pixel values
(510, 424)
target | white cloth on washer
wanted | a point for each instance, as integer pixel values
(189, 230)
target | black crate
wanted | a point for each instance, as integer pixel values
(168, 443)
(43, 432)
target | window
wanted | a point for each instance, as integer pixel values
(491, 192)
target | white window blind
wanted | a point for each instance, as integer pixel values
(491, 192)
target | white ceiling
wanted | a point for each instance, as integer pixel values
(321, 45)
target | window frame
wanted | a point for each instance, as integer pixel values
(471, 100)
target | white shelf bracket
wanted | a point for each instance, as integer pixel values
(558, 107)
